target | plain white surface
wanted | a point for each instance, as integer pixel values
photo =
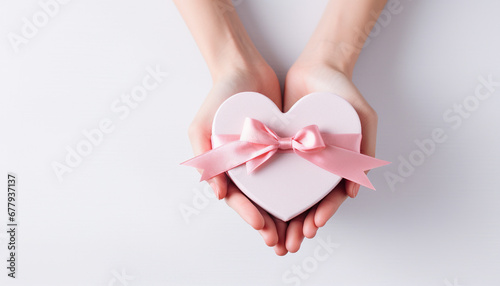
(119, 210)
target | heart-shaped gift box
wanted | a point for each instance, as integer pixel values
(286, 175)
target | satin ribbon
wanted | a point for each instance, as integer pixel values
(336, 153)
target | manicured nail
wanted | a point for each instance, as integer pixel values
(216, 190)
(356, 190)
(352, 193)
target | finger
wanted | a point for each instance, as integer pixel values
(310, 228)
(369, 121)
(329, 205)
(351, 188)
(244, 207)
(269, 232)
(294, 233)
(280, 247)
(201, 143)
(219, 186)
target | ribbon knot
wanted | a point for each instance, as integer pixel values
(306, 139)
(285, 144)
(336, 153)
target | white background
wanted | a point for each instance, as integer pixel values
(118, 211)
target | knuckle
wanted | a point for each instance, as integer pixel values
(369, 114)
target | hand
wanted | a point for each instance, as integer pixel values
(326, 64)
(239, 78)
(309, 75)
(235, 66)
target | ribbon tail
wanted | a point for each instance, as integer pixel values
(225, 158)
(259, 160)
(344, 163)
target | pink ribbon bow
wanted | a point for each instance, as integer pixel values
(336, 153)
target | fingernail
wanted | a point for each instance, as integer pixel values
(216, 190)
(356, 190)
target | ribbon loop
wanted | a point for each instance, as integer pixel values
(309, 139)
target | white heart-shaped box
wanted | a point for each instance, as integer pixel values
(286, 185)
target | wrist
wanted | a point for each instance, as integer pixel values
(339, 56)
(235, 55)
(342, 32)
(229, 47)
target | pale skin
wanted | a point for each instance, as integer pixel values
(326, 64)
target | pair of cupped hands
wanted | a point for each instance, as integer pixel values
(306, 75)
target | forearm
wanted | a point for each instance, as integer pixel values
(219, 34)
(343, 30)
